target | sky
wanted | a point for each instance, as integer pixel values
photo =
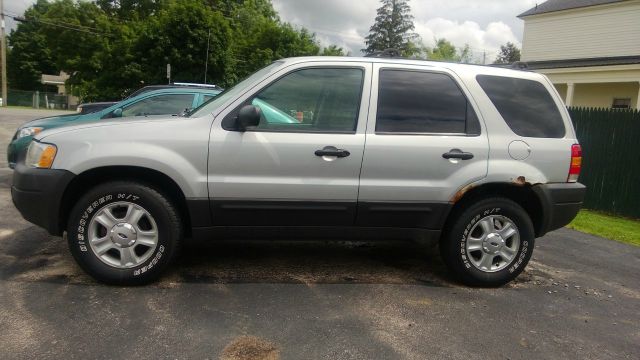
(482, 24)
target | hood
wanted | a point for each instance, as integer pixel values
(52, 121)
(74, 126)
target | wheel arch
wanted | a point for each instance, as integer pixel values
(523, 194)
(150, 177)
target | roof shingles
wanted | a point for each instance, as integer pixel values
(558, 5)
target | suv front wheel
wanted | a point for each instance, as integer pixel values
(124, 233)
(488, 243)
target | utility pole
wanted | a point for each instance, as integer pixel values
(206, 62)
(3, 50)
(484, 56)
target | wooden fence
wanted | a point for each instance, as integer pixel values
(610, 142)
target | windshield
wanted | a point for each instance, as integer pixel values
(232, 92)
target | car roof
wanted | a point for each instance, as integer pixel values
(173, 86)
(470, 69)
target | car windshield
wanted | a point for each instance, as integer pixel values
(211, 105)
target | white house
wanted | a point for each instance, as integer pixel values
(590, 49)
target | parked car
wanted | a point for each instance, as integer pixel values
(175, 85)
(156, 102)
(482, 159)
(88, 108)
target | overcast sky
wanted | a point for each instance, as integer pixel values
(483, 24)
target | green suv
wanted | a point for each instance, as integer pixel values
(156, 102)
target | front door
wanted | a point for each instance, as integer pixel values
(425, 142)
(300, 165)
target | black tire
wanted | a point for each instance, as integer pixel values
(168, 225)
(453, 242)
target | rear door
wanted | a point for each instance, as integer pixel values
(300, 165)
(424, 143)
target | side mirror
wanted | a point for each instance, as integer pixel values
(249, 116)
(117, 113)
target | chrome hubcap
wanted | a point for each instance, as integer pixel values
(123, 234)
(493, 243)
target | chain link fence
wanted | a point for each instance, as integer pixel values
(37, 99)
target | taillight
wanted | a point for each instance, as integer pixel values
(576, 163)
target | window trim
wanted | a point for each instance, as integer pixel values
(405, 133)
(233, 113)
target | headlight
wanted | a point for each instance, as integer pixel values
(29, 131)
(41, 155)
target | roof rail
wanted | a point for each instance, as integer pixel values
(386, 53)
(194, 84)
(520, 65)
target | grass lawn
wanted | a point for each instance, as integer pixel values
(607, 226)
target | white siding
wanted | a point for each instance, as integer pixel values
(598, 31)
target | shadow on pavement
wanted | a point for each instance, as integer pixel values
(31, 254)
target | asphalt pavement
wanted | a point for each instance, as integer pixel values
(579, 298)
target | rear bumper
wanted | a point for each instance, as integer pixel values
(37, 194)
(560, 204)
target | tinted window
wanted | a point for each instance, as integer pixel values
(422, 102)
(525, 105)
(314, 100)
(206, 98)
(167, 104)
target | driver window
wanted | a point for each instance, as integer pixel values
(312, 100)
(166, 104)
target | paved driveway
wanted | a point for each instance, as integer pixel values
(578, 299)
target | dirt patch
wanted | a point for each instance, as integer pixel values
(250, 348)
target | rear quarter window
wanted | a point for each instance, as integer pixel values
(525, 105)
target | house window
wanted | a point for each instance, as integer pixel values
(621, 103)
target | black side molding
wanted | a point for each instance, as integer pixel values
(403, 214)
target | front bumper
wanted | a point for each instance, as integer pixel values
(560, 204)
(37, 194)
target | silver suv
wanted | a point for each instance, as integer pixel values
(482, 159)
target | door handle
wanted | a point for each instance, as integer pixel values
(457, 154)
(331, 151)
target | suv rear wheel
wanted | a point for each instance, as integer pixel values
(124, 233)
(488, 243)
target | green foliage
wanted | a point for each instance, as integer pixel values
(393, 28)
(29, 56)
(112, 47)
(508, 54)
(446, 51)
(332, 50)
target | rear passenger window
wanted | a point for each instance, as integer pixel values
(423, 102)
(525, 105)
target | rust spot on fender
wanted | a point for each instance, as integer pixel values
(458, 195)
(520, 180)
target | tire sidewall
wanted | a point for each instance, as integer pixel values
(93, 201)
(457, 254)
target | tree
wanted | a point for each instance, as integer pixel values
(29, 57)
(508, 54)
(393, 28)
(332, 50)
(446, 51)
(111, 47)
